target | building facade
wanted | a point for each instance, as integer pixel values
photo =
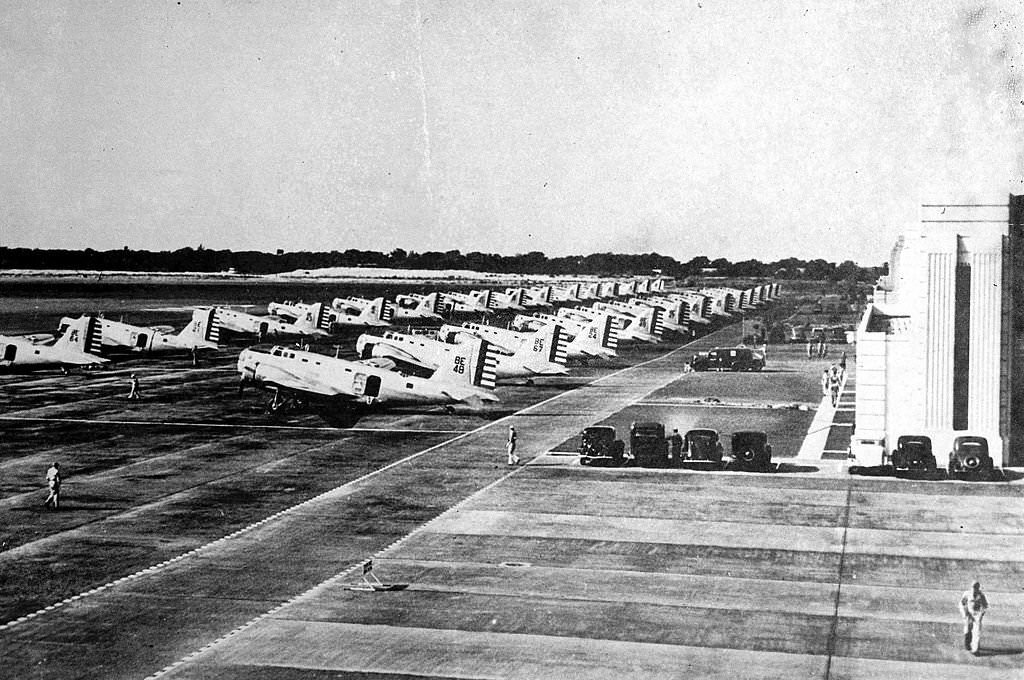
(938, 350)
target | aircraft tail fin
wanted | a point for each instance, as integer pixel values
(473, 363)
(548, 344)
(435, 303)
(84, 334)
(609, 332)
(204, 327)
(380, 310)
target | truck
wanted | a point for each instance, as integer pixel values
(728, 359)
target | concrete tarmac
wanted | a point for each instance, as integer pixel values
(541, 571)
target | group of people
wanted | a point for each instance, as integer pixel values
(817, 349)
(832, 381)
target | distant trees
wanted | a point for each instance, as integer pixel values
(254, 262)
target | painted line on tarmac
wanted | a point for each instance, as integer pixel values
(353, 568)
(181, 423)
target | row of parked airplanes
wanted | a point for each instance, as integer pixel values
(452, 364)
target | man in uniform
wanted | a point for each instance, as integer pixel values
(53, 482)
(133, 393)
(973, 606)
(510, 446)
(675, 446)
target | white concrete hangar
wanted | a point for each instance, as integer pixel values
(940, 352)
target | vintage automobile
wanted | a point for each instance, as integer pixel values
(728, 359)
(751, 450)
(969, 455)
(702, 445)
(647, 444)
(599, 447)
(912, 452)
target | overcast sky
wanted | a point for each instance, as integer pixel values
(737, 129)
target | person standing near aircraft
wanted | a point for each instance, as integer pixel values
(510, 446)
(133, 392)
(973, 606)
(53, 483)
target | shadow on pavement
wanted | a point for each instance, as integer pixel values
(1000, 652)
(794, 468)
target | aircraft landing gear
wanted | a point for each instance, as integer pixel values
(277, 403)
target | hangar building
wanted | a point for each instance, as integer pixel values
(940, 351)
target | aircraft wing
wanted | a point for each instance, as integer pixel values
(305, 384)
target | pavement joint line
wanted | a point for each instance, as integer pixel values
(417, 530)
(833, 633)
(181, 423)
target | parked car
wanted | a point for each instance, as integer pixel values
(702, 445)
(913, 452)
(751, 450)
(599, 447)
(647, 444)
(728, 359)
(970, 455)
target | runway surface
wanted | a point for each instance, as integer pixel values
(199, 539)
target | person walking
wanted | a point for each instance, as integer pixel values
(835, 382)
(973, 606)
(510, 446)
(53, 483)
(810, 349)
(842, 361)
(133, 393)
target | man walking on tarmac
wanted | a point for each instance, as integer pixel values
(133, 392)
(973, 606)
(510, 446)
(53, 482)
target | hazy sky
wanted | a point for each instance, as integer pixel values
(727, 129)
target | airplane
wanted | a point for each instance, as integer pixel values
(698, 304)
(671, 315)
(262, 326)
(538, 296)
(474, 301)
(511, 341)
(589, 291)
(677, 315)
(569, 294)
(597, 338)
(341, 387)
(411, 306)
(630, 326)
(513, 300)
(647, 325)
(319, 316)
(78, 346)
(357, 311)
(203, 332)
(533, 359)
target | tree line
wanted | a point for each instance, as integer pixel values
(254, 262)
